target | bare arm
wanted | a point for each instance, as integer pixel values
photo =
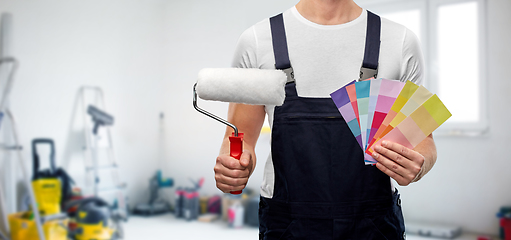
(231, 174)
(403, 164)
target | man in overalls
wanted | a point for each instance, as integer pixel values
(316, 185)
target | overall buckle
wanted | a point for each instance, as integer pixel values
(290, 74)
(366, 73)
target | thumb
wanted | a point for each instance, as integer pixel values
(245, 158)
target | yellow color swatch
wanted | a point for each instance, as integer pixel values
(423, 119)
(437, 109)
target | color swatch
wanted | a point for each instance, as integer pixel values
(405, 94)
(380, 105)
(419, 96)
(363, 92)
(420, 124)
(348, 108)
(382, 109)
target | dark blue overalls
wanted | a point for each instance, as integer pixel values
(323, 189)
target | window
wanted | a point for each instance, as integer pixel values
(452, 35)
(451, 45)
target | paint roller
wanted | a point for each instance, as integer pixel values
(239, 85)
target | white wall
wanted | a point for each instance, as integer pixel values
(146, 54)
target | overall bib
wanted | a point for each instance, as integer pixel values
(323, 189)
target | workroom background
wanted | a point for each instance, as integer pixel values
(145, 55)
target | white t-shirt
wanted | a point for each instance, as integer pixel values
(326, 57)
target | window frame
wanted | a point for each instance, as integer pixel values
(429, 42)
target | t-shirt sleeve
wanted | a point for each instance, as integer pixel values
(245, 54)
(413, 60)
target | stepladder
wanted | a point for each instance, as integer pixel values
(14, 145)
(102, 171)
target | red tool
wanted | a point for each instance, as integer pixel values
(236, 149)
(505, 223)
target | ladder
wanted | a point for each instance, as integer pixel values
(5, 113)
(99, 152)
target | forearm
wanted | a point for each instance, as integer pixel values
(427, 149)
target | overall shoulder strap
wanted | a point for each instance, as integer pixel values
(280, 51)
(278, 33)
(372, 48)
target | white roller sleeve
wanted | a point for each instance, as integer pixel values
(242, 85)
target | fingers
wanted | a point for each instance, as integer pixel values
(245, 159)
(399, 179)
(230, 175)
(229, 162)
(226, 188)
(399, 162)
(400, 150)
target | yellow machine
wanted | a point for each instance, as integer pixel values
(48, 195)
(23, 227)
(95, 221)
(48, 184)
(94, 231)
(48, 191)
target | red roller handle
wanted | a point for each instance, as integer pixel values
(236, 149)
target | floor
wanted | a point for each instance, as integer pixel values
(168, 227)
